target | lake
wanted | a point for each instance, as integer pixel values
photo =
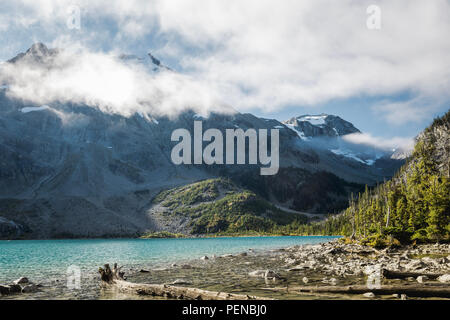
(46, 261)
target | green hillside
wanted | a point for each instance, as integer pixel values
(218, 206)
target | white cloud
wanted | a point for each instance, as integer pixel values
(381, 143)
(267, 54)
(103, 81)
(413, 110)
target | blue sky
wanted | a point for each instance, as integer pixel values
(272, 59)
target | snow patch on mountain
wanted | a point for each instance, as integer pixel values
(314, 120)
(350, 154)
(300, 133)
(31, 109)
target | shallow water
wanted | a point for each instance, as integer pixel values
(46, 261)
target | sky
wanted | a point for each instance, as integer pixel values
(382, 65)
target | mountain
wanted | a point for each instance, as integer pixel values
(219, 206)
(71, 170)
(151, 63)
(310, 126)
(37, 53)
(414, 206)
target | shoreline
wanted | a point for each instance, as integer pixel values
(285, 272)
(269, 272)
(183, 237)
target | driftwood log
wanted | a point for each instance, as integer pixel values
(410, 290)
(389, 274)
(115, 278)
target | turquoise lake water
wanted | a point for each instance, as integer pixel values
(49, 259)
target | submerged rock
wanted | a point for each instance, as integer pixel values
(257, 273)
(180, 281)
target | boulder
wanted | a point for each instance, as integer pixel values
(15, 288)
(445, 278)
(204, 258)
(4, 290)
(29, 288)
(269, 274)
(422, 279)
(257, 273)
(369, 295)
(180, 281)
(21, 280)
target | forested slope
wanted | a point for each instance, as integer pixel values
(413, 206)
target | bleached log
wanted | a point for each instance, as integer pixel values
(410, 290)
(114, 278)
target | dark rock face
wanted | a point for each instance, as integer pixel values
(10, 229)
(96, 174)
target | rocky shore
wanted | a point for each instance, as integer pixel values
(344, 260)
(339, 264)
(332, 270)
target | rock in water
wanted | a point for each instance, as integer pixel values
(445, 278)
(204, 258)
(4, 290)
(369, 295)
(269, 274)
(15, 288)
(180, 281)
(421, 279)
(29, 288)
(21, 280)
(257, 273)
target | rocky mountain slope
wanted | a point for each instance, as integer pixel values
(71, 170)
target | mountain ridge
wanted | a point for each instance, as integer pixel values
(71, 169)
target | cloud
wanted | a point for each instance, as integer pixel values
(406, 144)
(267, 54)
(413, 110)
(107, 83)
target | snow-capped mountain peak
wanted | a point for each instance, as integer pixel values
(149, 61)
(322, 125)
